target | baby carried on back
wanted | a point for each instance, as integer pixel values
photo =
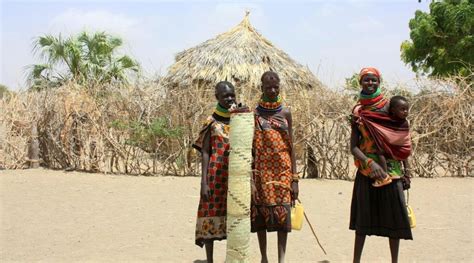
(391, 136)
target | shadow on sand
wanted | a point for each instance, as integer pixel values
(204, 261)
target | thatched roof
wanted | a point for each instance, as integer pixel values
(240, 55)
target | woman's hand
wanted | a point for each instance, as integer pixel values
(406, 176)
(205, 192)
(254, 192)
(377, 172)
(406, 180)
(294, 191)
(407, 173)
(237, 108)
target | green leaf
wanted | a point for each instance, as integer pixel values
(441, 41)
(84, 57)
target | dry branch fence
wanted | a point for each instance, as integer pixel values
(149, 130)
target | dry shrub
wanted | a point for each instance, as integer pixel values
(321, 132)
(15, 128)
(441, 124)
(149, 130)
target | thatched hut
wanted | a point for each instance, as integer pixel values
(240, 55)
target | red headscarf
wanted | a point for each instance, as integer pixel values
(369, 70)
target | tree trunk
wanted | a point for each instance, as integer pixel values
(33, 148)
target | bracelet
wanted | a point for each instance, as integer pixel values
(368, 161)
(295, 178)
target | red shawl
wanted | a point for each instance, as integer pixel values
(390, 135)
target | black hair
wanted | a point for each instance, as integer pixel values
(270, 75)
(397, 99)
(223, 84)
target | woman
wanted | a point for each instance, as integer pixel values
(376, 211)
(213, 143)
(275, 182)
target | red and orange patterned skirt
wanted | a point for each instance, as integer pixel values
(272, 177)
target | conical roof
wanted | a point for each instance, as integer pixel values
(240, 55)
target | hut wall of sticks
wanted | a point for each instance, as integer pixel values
(148, 128)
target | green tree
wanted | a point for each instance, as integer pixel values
(81, 58)
(352, 83)
(442, 41)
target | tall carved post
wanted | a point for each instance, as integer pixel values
(33, 147)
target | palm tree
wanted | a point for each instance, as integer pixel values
(4, 91)
(83, 58)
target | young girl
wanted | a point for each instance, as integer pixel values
(213, 143)
(275, 180)
(398, 111)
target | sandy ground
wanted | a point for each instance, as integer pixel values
(54, 216)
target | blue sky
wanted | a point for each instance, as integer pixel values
(333, 38)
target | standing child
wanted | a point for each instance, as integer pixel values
(213, 143)
(275, 178)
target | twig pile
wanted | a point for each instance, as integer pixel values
(149, 129)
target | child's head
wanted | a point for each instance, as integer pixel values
(225, 94)
(399, 107)
(270, 84)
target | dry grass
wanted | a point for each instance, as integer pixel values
(441, 125)
(240, 55)
(108, 131)
(149, 128)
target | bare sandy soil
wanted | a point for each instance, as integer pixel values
(54, 216)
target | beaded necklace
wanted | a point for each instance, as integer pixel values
(267, 105)
(371, 99)
(222, 112)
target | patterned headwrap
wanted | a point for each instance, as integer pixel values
(369, 70)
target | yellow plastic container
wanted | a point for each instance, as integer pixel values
(297, 214)
(411, 217)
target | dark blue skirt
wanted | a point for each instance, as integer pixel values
(379, 211)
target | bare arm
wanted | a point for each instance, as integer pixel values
(406, 167)
(289, 118)
(406, 182)
(294, 183)
(383, 162)
(377, 171)
(354, 148)
(206, 148)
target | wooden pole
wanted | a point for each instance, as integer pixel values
(33, 148)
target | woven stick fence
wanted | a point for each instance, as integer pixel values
(149, 130)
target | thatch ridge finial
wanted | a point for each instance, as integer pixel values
(246, 22)
(241, 54)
